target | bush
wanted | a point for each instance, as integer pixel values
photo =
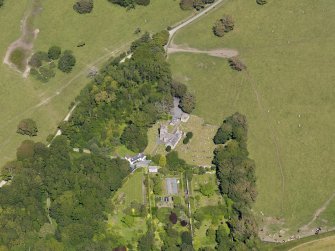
(186, 141)
(261, 2)
(27, 127)
(186, 4)
(168, 149)
(1, 3)
(54, 52)
(236, 64)
(187, 103)
(66, 62)
(189, 135)
(83, 6)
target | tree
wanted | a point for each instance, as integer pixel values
(66, 62)
(25, 150)
(236, 64)
(223, 25)
(224, 133)
(54, 52)
(135, 138)
(83, 6)
(187, 103)
(27, 127)
(146, 243)
(1, 3)
(178, 89)
(261, 2)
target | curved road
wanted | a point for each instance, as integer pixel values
(190, 20)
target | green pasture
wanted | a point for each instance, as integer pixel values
(287, 94)
(106, 32)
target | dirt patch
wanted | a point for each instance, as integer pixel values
(19, 51)
(221, 53)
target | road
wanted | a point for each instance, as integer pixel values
(192, 19)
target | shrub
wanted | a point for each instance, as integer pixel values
(1, 3)
(189, 135)
(186, 4)
(183, 223)
(261, 2)
(186, 141)
(236, 64)
(168, 149)
(27, 127)
(83, 6)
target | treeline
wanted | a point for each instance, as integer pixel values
(196, 4)
(237, 181)
(56, 201)
(124, 99)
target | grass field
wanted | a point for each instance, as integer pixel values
(287, 94)
(132, 188)
(107, 29)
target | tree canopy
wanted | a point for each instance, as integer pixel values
(66, 62)
(83, 6)
(223, 25)
(237, 181)
(27, 127)
(78, 190)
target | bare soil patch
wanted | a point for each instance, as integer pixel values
(19, 51)
(221, 53)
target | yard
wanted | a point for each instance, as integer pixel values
(286, 93)
(58, 24)
(132, 189)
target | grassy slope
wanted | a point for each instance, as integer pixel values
(288, 48)
(109, 27)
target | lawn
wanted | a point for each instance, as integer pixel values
(287, 95)
(199, 151)
(107, 31)
(132, 189)
(202, 201)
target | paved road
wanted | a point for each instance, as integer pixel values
(188, 21)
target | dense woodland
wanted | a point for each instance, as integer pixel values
(125, 99)
(237, 181)
(57, 201)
